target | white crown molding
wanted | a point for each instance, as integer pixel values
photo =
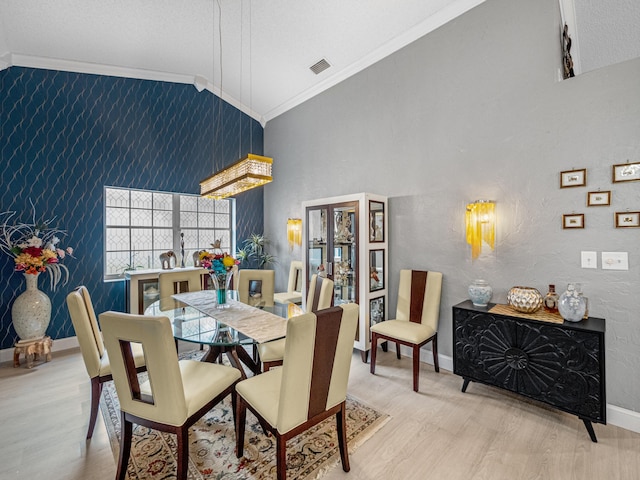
(5, 61)
(420, 30)
(124, 72)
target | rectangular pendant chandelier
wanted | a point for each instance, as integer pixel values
(247, 173)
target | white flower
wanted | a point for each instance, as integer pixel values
(32, 242)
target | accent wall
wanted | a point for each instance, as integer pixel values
(63, 136)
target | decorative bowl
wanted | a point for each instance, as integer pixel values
(525, 299)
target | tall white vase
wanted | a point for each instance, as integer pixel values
(31, 311)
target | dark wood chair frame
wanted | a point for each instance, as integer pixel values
(96, 392)
(281, 438)
(416, 353)
(181, 431)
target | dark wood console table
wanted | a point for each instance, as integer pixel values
(560, 364)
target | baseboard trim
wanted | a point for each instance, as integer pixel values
(618, 416)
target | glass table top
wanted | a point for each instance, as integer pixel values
(206, 324)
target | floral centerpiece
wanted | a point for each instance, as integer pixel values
(220, 267)
(35, 247)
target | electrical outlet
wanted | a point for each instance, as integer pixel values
(589, 259)
(615, 261)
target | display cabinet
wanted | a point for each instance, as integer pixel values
(142, 288)
(345, 239)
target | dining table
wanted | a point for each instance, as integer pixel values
(229, 329)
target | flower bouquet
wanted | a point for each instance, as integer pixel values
(220, 266)
(35, 247)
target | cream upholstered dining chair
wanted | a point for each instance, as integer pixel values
(177, 281)
(320, 297)
(416, 322)
(311, 385)
(256, 287)
(320, 294)
(96, 360)
(294, 286)
(177, 393)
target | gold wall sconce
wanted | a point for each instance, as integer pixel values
(481, 225)
(294, 232)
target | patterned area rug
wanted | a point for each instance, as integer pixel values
(212, 444)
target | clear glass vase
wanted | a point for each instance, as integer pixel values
(572, 304)
(221, 284)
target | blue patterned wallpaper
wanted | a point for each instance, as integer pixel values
(63, 136)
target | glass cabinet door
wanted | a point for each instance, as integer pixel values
(317, 259)
(332, 247)
(344, 268)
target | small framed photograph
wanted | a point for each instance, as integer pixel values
(573, 178)
(376, 221)
(627, 219)
(574, 220)
(376, 310)
(595, 199)
(626, 172)
(376, 270)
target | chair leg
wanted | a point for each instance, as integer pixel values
(416, 366)
(434, 349)
(183, 453)
(341, 426)
(398, 350)
(234, 405)
(374, 347)
(241, 416)
(281, 457)
(125, 446)
(96, 391)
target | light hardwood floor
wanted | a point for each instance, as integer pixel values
(438, 433)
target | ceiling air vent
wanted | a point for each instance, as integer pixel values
(320, 66)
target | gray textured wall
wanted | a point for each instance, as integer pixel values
(475, 110)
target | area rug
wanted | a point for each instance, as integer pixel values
(212, 444)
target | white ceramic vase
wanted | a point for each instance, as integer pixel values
(572, 304)
(31, 311)
(480, 293)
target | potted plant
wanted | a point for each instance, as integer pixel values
(253, 251)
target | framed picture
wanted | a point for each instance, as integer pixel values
(627, 219)
(376, 221)
(376, 310)
(598, 198)
(573, 178)
(626, 172)
(376, 270)
(574, 220)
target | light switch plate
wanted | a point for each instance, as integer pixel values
(589, 259)
(615, 261)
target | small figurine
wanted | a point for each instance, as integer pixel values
(165, 260)
(321, 271)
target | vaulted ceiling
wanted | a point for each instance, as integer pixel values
(254, 54)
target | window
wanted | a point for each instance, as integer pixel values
(141, 224)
